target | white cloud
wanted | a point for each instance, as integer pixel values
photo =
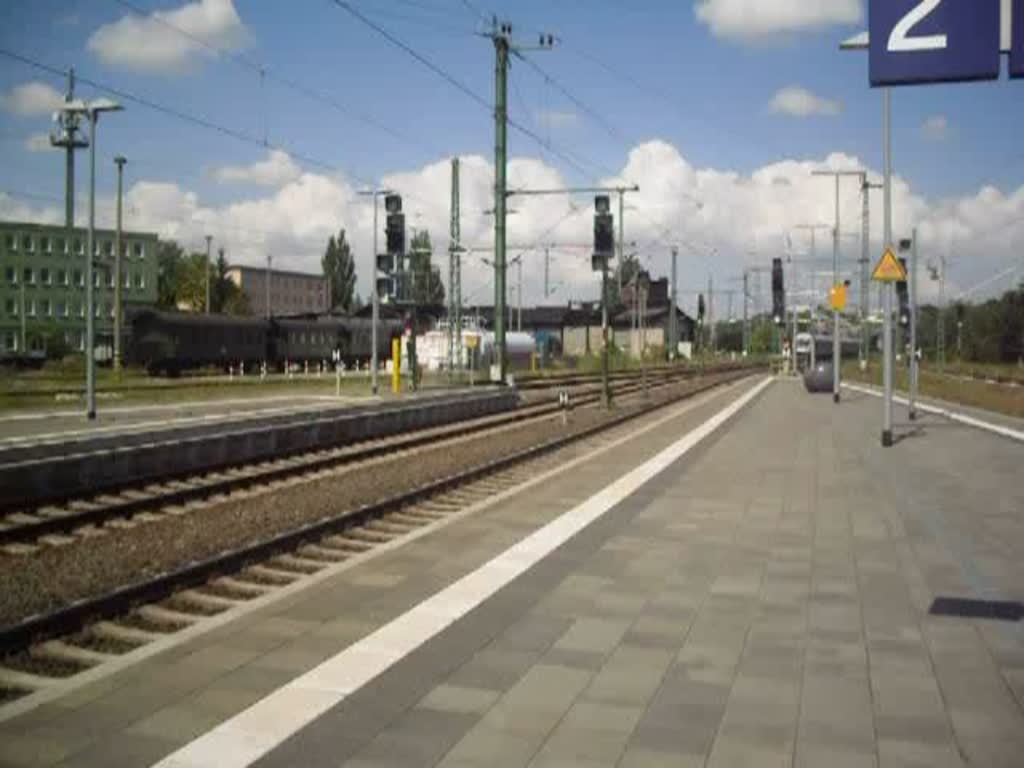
(278, 169)
(935, 128)
(751, 20)
(796, 101)
(745, 217)
(31, 99)
(38, 142)
(154, 44)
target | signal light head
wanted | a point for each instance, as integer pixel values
(602, 204)
(393, 203)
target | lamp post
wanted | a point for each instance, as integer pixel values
(91, 110)
(376, 194)
(119, 161)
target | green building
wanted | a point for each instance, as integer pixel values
(42, 286)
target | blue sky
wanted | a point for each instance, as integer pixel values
(652, 70)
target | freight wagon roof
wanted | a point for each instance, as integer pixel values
(198, 320)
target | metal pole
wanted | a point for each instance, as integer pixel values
(673, 320)
(375, 310)
(622, 227)
(914, 365)
(119, 161)
(519, 294)
(90, 327)
(940, 333)
(453, 255)
(837, 358)
(501, 47)
(746, 315)
(547, 270)
(267, 286)
(865, 256)
(209, 239)
(605, 374)
(887, 326)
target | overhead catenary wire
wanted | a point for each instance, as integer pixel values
(264, 73)
(565, 155)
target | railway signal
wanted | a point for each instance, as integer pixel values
(389, 263)
(778, 293)
(604, 234)
(904, 297)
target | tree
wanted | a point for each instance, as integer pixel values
(225, 295)
(340, 269)
(426, 288)
(169, 257)
(626, 270)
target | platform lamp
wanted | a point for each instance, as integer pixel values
(92, 110)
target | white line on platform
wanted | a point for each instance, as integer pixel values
(38, 415)
(251, 734)
(962, 418)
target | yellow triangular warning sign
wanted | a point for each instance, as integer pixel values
(889, 269)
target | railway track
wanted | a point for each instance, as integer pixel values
(24, 530)
(38, 652)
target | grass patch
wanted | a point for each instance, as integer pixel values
(974, 393)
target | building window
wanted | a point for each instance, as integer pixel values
(96, 309)
(62, 309)
(79, 247)
(108, 248)
(140, 281)
(79, 278)
(11, 275)
(61, 245)
(108, 310)
(110, 279)
(139, 250)
(81, 309)
(26, 244)
(45, 245)
(11, 242)
(126, 279)
(80, 345)
(11, 341)
(62, 277)
(95, 278)
(45, 277)
(45, 308)
(29, 276)
(31, 308)
(12, 308)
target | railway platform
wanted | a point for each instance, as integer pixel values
(745, 582)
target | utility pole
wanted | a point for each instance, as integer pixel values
(119, 161)
(66, 136)
(209, 239)
(519, 293)
(455, 277)
(501, 36)
(375, 295)
(673, 320)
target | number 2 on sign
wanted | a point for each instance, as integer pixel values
(900, 40)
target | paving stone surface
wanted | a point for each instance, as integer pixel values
(762, 602)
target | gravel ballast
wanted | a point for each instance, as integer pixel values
(90, 566)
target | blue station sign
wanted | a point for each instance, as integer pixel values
(936, 41)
